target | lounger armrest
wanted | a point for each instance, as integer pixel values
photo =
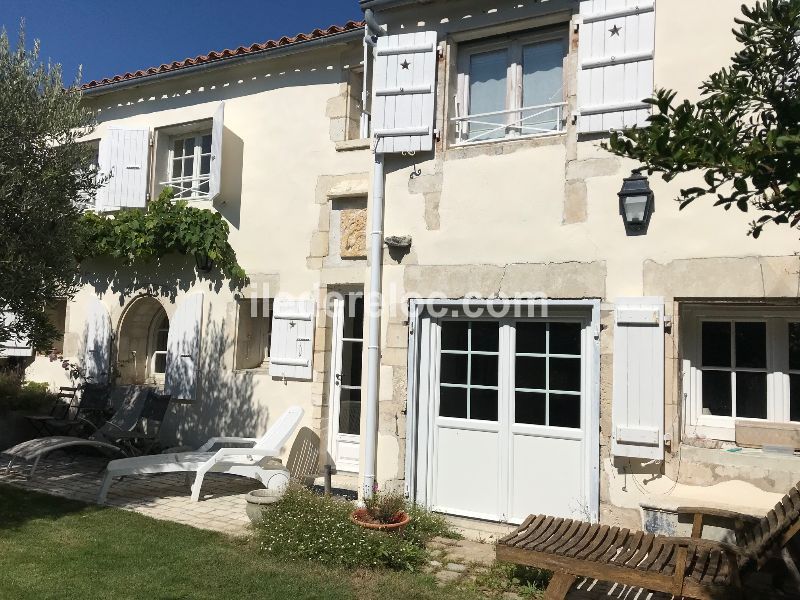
(262, 452)
(717, 512)
(225, 440)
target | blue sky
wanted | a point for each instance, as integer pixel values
(109, 37)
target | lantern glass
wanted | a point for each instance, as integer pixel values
(635, 209)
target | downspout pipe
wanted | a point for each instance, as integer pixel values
(374, 344)
(373, 26)
(374, 30)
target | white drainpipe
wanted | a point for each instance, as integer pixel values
(374, 347)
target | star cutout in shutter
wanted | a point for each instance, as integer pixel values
(615, 30)
(405, 64)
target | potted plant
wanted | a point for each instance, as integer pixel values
(384, 511)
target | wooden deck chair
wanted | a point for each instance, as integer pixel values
(689, 567)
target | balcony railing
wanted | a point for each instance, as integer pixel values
(528, 121)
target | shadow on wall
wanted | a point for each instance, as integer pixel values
(163, 277)
(223, 401)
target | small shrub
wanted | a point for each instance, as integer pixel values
(385, 507)
(306, 526)
(526, 581)
(16, 395)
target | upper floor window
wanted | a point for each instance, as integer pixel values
(190, 165)
(741, 364)
(511, 87)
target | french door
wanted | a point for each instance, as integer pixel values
(345, 386)
(506, 403)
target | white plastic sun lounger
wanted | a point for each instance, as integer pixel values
(124, 419)
(251, 461)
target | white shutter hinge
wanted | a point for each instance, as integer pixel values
(151, 140)
(440, 51)
(667, 324)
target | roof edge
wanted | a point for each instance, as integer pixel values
(134, 80)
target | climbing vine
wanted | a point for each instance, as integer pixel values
(165, 227)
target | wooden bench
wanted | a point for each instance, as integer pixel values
(690, 567)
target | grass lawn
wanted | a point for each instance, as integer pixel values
(55, 548)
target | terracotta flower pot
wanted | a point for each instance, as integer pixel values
(358, 517)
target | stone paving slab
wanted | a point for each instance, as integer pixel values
(164, 496)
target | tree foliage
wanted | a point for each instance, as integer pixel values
(744, 132)
(45, 178)
(166, 227)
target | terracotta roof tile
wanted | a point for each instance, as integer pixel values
(224, 54)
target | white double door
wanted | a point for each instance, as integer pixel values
(345, 385)
(503, 416)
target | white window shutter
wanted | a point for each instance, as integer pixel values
(183, 348)
(637, 412)
(97, 346)
(15, 345)
(616, 45)
(215, 178)
(123, 158)
(291, 354)
(404, 91)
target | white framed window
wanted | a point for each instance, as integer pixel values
(189, 165)
(511, 87)
(158, 346)
(253, 333)
(740, 364)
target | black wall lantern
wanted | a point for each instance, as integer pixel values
(204, 262)
(636, 203)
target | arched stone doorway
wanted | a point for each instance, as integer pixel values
(142, 346)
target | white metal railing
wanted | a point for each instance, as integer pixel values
(527, 121)
(189, 186)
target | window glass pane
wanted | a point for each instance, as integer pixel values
(542, 83)
(565, 338)
(350, 411)
(565, 374)
(530, 372)
(487, 92)
(531, 337)
(161, 339)
(485, 336)
(176, 169)
(716, 344)
(751, 345)
(160, 362)
(177, 148)
(565, 410)
(205, 145)
(751, 395)
(188, 168)
(454, 335)
(483, 369)
(717, 393)
(530, 408)
(188, 147)
(483, 404)
(351, 363)
(205, 165)
(454, 368)
(794, 346)
(203, 187)
(453, 402)
(354, 316)
(794, 397)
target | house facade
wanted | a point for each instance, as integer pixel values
(536, 355)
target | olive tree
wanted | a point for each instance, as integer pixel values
(46, 180)
(743, 134)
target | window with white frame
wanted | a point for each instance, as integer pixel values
(190, 165)
(741, 364)
(511, 87)
(158, 344)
